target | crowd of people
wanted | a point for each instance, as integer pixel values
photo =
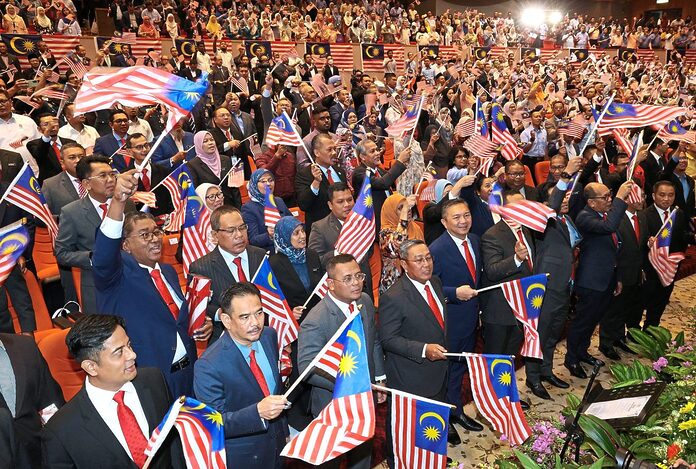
(436, 240)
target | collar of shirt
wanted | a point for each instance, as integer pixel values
(11, 119)
(421, 289)
(148, 166)
(229, 260)
(631, 215)
(344, 307)
(261, 359)
(97, 203)
(660, 212)
(2, 346)
(118, 137)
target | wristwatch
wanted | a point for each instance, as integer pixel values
(565, 175)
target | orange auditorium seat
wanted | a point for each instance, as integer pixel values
(77, 278)
(376, 270)
(528, 179)
(244, 192)
(541, 171)
(44, 260)
(297, 213)
(64, 369)
(41, 315)
(252, 163)
(170, 243)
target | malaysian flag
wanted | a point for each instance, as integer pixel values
(674, 131)
(194, 240)
(50, 93)
(177, 183)
(479, 145)
(419, 432)
(139, 86)
(407, 122)
(481, 124)
(241, 83)
(664, 263)
(572, 129)
(494, 387)
(525, 296)
(271, 214)
(284, 49)
(342, 55)
(485, 164)
(465, 128)
(21, 45)
(76, 65)
(358, 232)
(138, 48)
(60, 46)
(197, 296)
(282, 132)
(427, 194)
(24, 192)
(399, 54)
(501, 135)
(349, 419)
(621, 137)
(633, 159)
(533, 215)
(622, 115)
(12, 244)
(636, 195)
(201, 430)
(372, 57)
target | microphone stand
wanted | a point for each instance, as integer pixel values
(573, 432)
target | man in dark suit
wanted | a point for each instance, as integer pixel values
(150, 175)
(46, 150)
(116, 410)
(412, 319)
(325, 232)
(655, 295)
(341, 104)
(653, 165)
(8, 61)
(178, 64)
(132, 283)
(10, 164)
(226, 143)
(233, 260)
(596, 277)
(31, 396)
(344, 298)
(174, 149)
(675, 172)
(626, 308)
(515, 180)
(457, 263)
(238, 376)
(241, 127)
(46, 57)
(109, 144)
(329, 70)
(312, 182)
(220, 80)
(382, 181)
(106, 59)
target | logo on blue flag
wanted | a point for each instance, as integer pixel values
(534, 288)
(621, 110)
(353, 375)
(496, 195)
(363, 206)
(431, 426)
(675, 128)
(481, 118)
(501, 374)
(665, 237)
(498, 117)
(266, 280)
(194, 205)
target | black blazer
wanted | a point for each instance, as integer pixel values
(315, 206)
(46, 158)
(290, 282)
(432, 224)
(200, 173)
(406, 324)
(630, 260)
(681, 234)
(35, 390)
(11, 162)
(97, 446)
(687, 204)
(381, 182)
(164, 200)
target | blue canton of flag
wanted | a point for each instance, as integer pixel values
(271, 214)
(481, 119)
(675, 128)
(282, 132)
(664, 262)
(179, 185)
(194, 205)
(620, 110)
(12, 245)
(25, 192)
(431, 427)
(525, 297)
(495, 198)
(353, 371)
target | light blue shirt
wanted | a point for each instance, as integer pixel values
(685, 185)
(240, 122)
(261, 360)
(334, 176)
(540, 144)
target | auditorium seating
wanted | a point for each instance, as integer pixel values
(528, 179)
(541, 171)
(64, 369)
(42, 254)
(170, 244)
(41, 314)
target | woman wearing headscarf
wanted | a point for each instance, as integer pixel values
(172, 27)
(253, 211)
(212, 198)
(213, 28)
(12, 23)
(42, 23)
(397, 225)
(208, 166)
(432, 213)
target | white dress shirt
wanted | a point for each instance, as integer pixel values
(85, 137)
(421, 289)
(19, 128)
(229, 260)
(141, 126)
(460, 245)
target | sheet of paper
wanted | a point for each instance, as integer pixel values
(620, 408)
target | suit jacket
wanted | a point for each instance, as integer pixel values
(322, 240)
(164, 200)
(97, 446)
(293, 289)
(168, 148)
(223, 380)
(318, 327)
(35, 390)
(432, 224)
(687, 204)
(107, 145)
(244, 150)
(252, 213)
(681, 233)
(11, 60)
(652, 169)
(113, 60)
(127, 290)
(315, 206)
(200, 173)
(10, 164)
(59, 191)
(630, 259)
(221, 75)
(46, 157)
(481, 217)
(498, 252)
(382, 181)
(406, 324)
(451, 268)
(598, 252)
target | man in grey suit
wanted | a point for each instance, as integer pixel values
(233, 260)
(324, 234)
(80, 219)
(345, 297)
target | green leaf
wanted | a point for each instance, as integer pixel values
(679, 339)
(598, 463)
(638, 444)
(503, 464)
(678, 356)
(661, 334)
(526, 461)
(600, 432)
(573, 401)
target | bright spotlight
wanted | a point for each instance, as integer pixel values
(532, 16)
(555, 17)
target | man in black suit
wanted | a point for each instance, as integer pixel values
(655, 295)
(8, 61)
(233, 260)
(653, 165)
(596, 278)
(329, 70)
(150, 175)
(241, 126)
(116, 410)
(29, 394)
(221, 131)
(675, 172)
(382, 181)
(312, 182)
(10, 164)
(514, 180)
(220, 80)
(108, 144)
(341, 104)
(46, 150)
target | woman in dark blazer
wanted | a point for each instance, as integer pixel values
(298, 271)
(432, 213)
(253, 211)
(208, 166)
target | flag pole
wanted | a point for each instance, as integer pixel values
(322, 352)
(260, 265)
(228, 172)
(377, 387)
(467, 354)
(139, 167)
(669, 216)
(314, 292)
(498, 285)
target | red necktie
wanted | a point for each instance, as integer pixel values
(258, 374)
(164, 292)
(146, 180)
(56, 149)
(126, 158)
(228, 135)
(520, 237)
(614, 238)
(104, 208)
(664, 216)
(329, 177)
(435, 308)
(241, 277)
(135, 439)
(469, 261)
(81, 191)
(351, 309)
(636, 226)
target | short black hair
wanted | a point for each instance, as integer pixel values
(113, 114)
(131, 137)
(318, 109)
(513, 163)
(337, 260)
(447, 204)
(83, 170)
(87, 336)
(69, 145)
(42, 115)
(132, 218)
(237, 290)
(218, 213)
(337, 187)
(663, 182)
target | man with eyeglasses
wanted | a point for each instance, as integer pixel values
(515, 180)
(150, 175)
(80, 219)
(131, 282)
(344, 298)
(46, 149)
(233, 260)
(321, 124)
(16, 130)
(596, 279)
(110, 143)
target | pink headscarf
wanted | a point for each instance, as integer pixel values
(212, 160)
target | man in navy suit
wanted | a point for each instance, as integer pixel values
(133, 284)
(176, 147)
(596, 277)
(457, 261)
(475, 191)
(108, 144)
(238, 376)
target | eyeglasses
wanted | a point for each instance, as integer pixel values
(605, 197)
(421, 260)
(267, 181)
(144, 146)
(105, 176)
(120, 121)
(516, 175)
(148, 236)
(232, 230)
(216, 196)
(4, 101)
(351, 279)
